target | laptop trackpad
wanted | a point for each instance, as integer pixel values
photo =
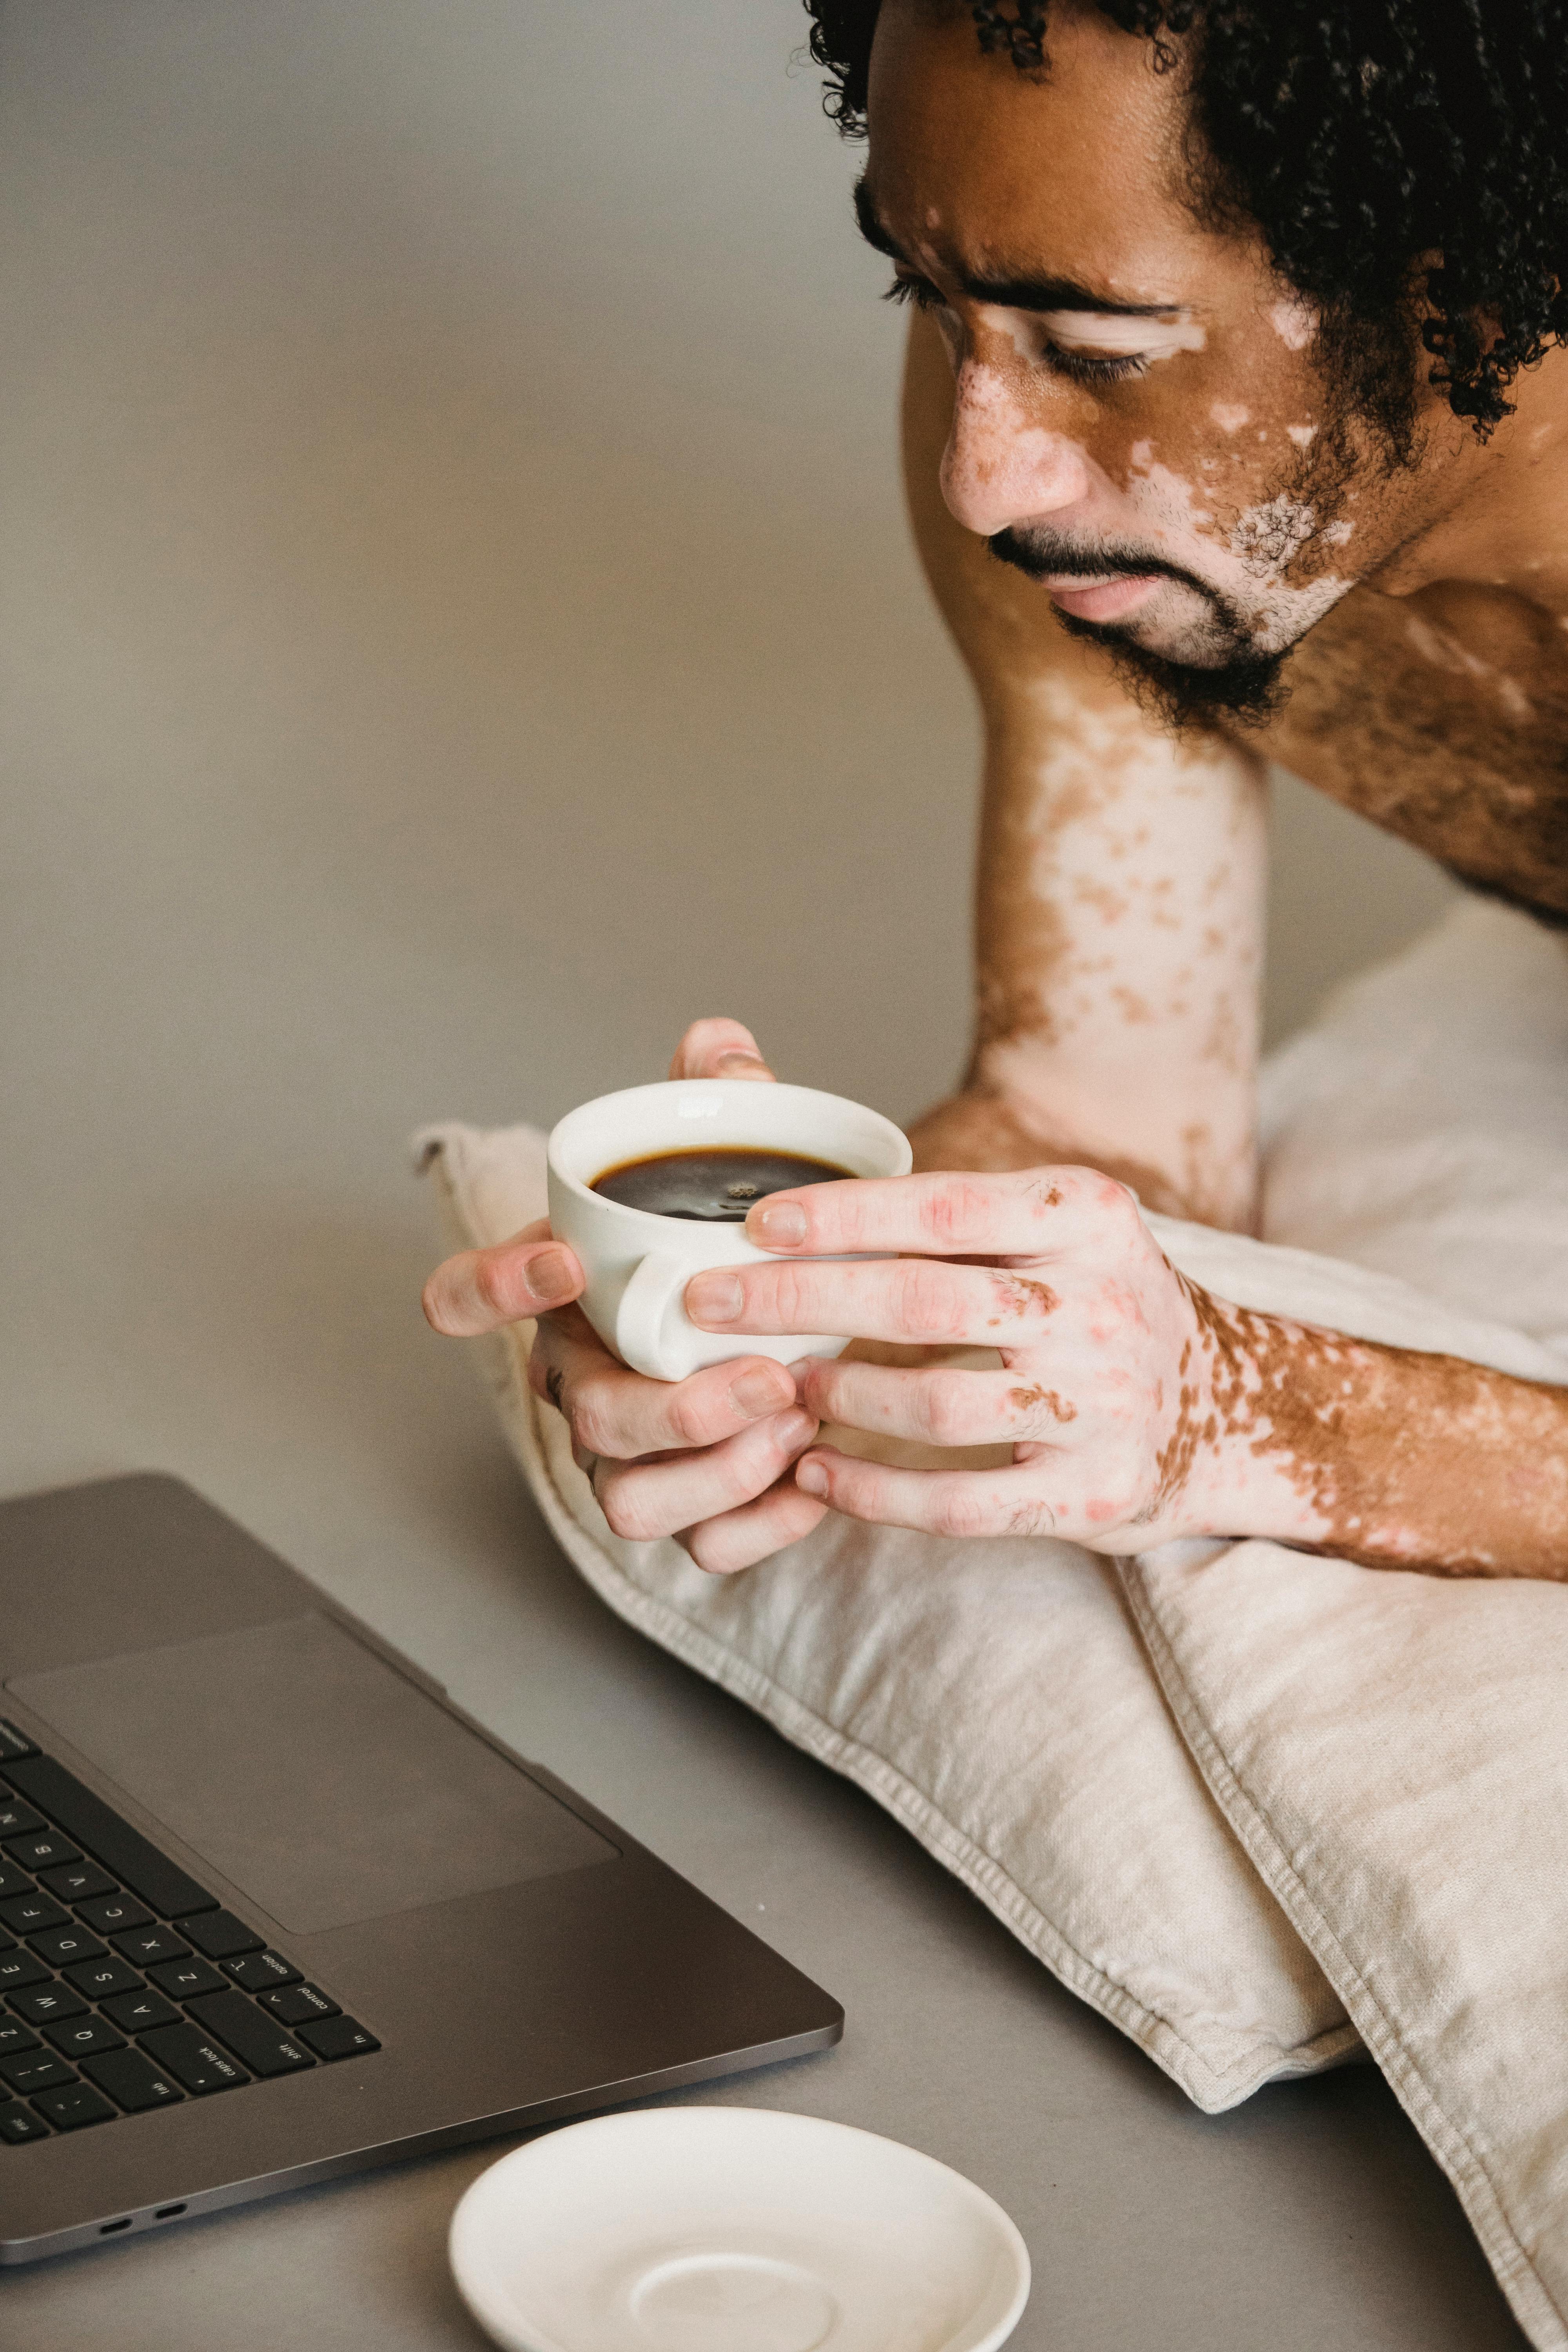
(312, 1774)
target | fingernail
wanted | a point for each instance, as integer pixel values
(757, 1392)
(715, 1298)
(811, 1478)
(777, 1225)
(740, 1054)
(550, 1275)
(797, 1429)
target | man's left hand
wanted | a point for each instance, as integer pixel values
(1105, 1390)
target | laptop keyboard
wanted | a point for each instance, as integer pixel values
(124, 1985)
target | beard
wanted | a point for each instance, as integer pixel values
(1368, 432)
(1235, 682)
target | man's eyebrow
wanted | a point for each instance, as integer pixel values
(1044, 294)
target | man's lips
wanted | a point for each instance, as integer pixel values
(1101, 600)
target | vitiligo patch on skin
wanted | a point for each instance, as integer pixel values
(1304, 436)
(1120, 337)
(1330, 1416)
(1230, 416)
(1271, 533)
(1295, 322)
(1117, 838)
(1445, 652)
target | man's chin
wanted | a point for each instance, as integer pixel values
(1247, 690)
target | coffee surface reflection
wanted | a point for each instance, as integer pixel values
(712, 1186)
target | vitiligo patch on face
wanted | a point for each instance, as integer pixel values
(1294, 323)
(1302, 435)
(1120, 337)
(1229, 416)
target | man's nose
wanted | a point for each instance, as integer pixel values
(1001, 466)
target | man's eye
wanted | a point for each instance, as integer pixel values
(1091, 367)
(918, 290)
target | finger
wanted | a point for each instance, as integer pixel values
(917, 1301)
(739, 1539)
(620, 1414)
(719, 1048)
(945, 1405)
(1033, 1213)
(645, 1499)
(936, 1502)
(481, 1289)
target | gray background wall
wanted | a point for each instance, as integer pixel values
(457, 602)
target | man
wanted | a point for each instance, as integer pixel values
(1240, 343)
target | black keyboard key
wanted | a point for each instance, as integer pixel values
(19, 1969)
(139, 2013)
(16, 1817)
(59, 1945)
(145, 1945)
(296, 2003)
(29, 1915)
(35, 2070)
(260, 1971)
(338, 2037)
(15, 2035)
(39, 1849)
(182, 1979)
(265, 2046)
(99, 1979)
(83, 2037)
(12, 1880)
(40, 2003)
(75, 1881)
(18, 2123)
(13, 1742)
(76, 2105)
(131, 2081)
(24, 1915)
(135, 1860)
(220, 1935)
(195, 2061)
(108, 1914)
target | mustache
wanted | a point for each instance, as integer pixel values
(1040, 555)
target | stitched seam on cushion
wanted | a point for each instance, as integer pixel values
(1211, 2088)
(1516, 2272)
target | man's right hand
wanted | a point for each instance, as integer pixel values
(709, 1459)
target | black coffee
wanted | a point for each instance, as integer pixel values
(716, 1187)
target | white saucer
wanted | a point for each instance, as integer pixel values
(733, 2230)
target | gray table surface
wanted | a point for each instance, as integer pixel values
(456, 625)
(1310, 2216)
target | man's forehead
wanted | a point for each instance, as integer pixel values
(1002, 175)
(1010, 277)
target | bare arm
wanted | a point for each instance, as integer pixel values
(1119, 894)
(1131, 1407)
(1384, 1455)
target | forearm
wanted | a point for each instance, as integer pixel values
(1384, 1455)
(1118, 922)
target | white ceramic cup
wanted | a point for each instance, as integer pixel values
(638, 1264)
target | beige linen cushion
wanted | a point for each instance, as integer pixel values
(994, 1697)
(1363, 1818)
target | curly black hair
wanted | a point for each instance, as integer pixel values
(1360, 137)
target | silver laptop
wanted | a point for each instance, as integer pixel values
(273, 1910)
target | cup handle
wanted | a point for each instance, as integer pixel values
(645, 1305)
